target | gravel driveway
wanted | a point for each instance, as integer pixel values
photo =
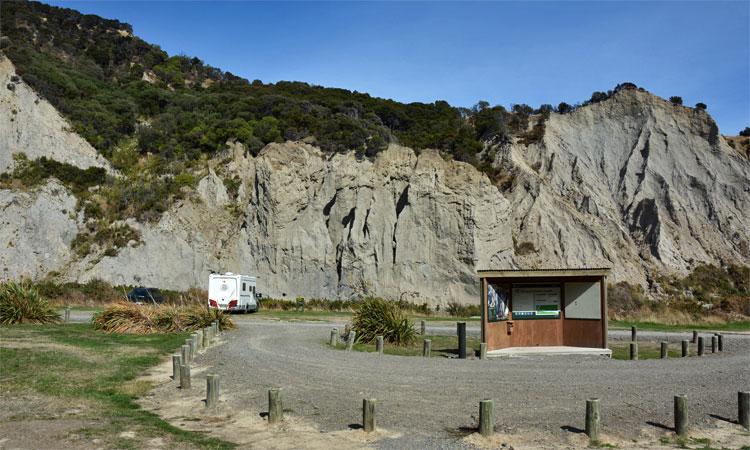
(432, 401)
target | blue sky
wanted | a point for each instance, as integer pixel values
(503, 52)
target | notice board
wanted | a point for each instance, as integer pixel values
(583, 300)
(536, 301)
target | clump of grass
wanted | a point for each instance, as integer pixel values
(130, 318)
(459, 310)
(378, 317)
(21, 303)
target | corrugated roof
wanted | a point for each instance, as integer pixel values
(550, 272)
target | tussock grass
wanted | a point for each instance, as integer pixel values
(378, 317)
(21, 303)
(130, 318)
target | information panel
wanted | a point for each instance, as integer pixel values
(497, 302)
(536, 302)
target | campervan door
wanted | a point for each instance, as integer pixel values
(223, 291)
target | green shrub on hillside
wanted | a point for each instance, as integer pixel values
(21, 303)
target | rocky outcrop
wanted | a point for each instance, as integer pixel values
(634, 183)
(30, 125)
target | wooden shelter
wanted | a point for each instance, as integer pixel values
(544, 308)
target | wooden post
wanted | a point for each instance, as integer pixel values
(195, 344)
(206, 337)
(379, 344)
(721, 342)
(67, 314)
(593, 419)
(212, 390)
(743, 409)
(368, 414)
(184, 376)
(664, 348)
(486, 417)
(483, 350)
(633, 334)
(200, 339)
(700, 345)
(422, 327)
(275, 409)
(334, 336)
(350, 340)
(176, 363)
(714, 344)
(185, 354)
(695, 336)
(426, 348)
(633, 350)
(191, 350)
(461, 331)
(685, 346)
(680, 415)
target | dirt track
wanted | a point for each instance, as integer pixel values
(433, 402)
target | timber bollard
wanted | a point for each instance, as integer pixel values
(196, 343)
(743, 409)
(185, 349)
(67, 314)
(200, 339)
(176, 363)
(184, 376)
(685, 346)
(206, 337)
(426, 348)
(350, 340)
(695, 337)
(664, 350)
(714, 344)
(680, 415)
(275, 409)
(191, 349)
(422, 327)
(721, 342)
(334, 335)
(593, 419)
(212, 390)
(379, 344)
(700, 346)
(486, 417)
(633, 334)
(461, 331)
(633, 351)
(483, 350)
(368, 414)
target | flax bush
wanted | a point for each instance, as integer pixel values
(378, 317)
(21, 303)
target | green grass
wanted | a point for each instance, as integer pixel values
(337, 315)
(442, 346)
(76, 364)
(730, 326)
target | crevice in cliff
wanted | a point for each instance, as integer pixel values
(365, 228)
(328, 206)
(646, 221)
(403, 201)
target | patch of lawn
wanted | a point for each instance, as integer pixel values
(442, 346)
(78, 364)
(730, 326)
(338, 315)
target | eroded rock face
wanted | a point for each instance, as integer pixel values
(30, 125)
(636, 181)
(633, 183)
(36, 229)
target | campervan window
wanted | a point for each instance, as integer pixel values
(243, 287)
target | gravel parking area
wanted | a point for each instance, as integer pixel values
(434, 402)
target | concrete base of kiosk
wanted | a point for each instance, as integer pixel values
(515, 352)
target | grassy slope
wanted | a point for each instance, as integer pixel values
(79, 365)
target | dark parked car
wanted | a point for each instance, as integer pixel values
(145, 295)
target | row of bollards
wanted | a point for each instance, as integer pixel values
(67, 314)
(197, 341)
(717, 345)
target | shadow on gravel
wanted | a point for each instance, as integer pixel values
(355, 426)
(571, 429)
(659, 425)
(725, 419)
(461, 431)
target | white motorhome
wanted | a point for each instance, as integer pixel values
(232, 292)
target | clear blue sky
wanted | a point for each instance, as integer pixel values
(502, 52)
